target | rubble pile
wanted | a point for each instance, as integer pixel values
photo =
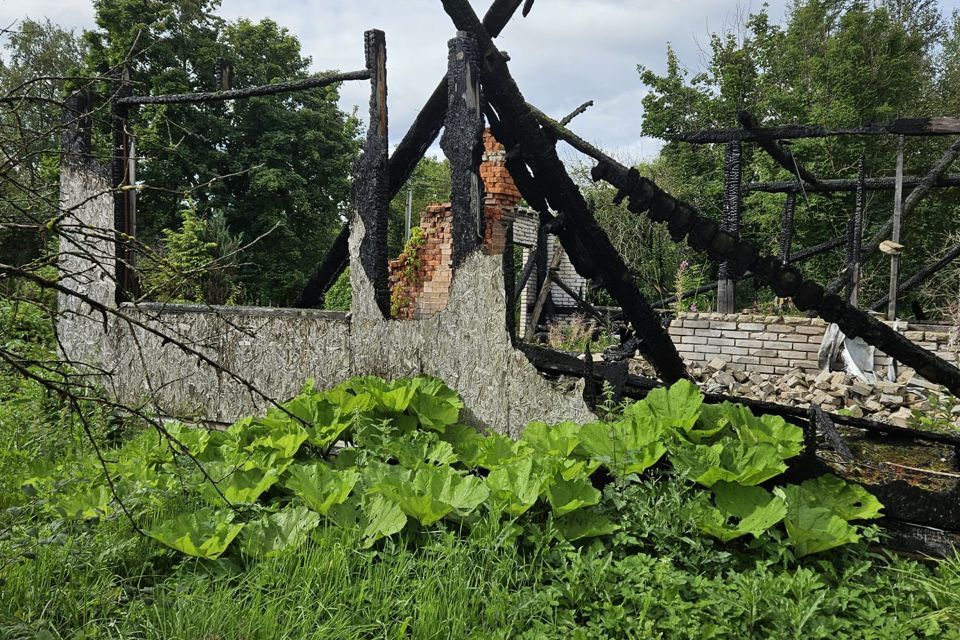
(884, 401)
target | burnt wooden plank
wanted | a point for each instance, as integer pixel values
(905, 126)
(922, 189)
(372, 177)
(732, 180)
(540, 154)
(783, 157)
(838, 185)
(461, 143)
(126, 289)
(824, 425)
(315, 82)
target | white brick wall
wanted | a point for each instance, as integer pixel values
(777, 344)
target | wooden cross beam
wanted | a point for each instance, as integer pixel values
(782, 157)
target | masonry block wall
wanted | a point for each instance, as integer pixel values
(420, 282)
(777, 344)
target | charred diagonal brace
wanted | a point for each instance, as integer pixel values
(783, 157)
(422, 133)
(824, 424)
(705, 235)
(541, 155)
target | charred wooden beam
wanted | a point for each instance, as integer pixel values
(510, 285)
(732, 180)
(825, 425)
(783, 157)
(461, 142)
(334, 262)
(856, 235)
(372, 181)
(920, 277)
(562, 193)
(786, 227)
(422, 133)
(76, 125)
(120, 173)
(833, 186)
(573, 114)
(922, 189)
(906, 126)
(321, 80)
(705, 235)
(426, 126)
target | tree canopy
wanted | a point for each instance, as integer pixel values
(277, 168)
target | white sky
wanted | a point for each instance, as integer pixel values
(564, 53)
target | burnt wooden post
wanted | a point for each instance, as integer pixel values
(895, 233)
(372, 177)
(76, 126)
(732, 178)
(856, 234)
(462, 144)
(786, 227)
(123, 205)
(510, 284)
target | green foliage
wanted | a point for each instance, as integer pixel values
(197, 263)
(340, 295)
(404, 458)
(278, 167)
(830, 63)
(277, 532)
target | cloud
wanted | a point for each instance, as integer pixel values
(564, 53)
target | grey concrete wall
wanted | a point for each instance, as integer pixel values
(276, 350)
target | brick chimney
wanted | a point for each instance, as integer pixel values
(420, 279)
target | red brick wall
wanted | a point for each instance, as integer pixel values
(428, 290)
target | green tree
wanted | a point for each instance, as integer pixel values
(833, 63)
(278, 167)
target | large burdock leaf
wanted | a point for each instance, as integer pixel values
(238, 486)
(433, 492)
(419, 449)
(203, 534)
(584, 523)
(187, 440)
(727, 461)
(676, 407)
(375, 517)
(818, 510)
(495, 451)
(435, 405)
(736, 511)
(767, 429)
(319, 486)
(569, 495)
(515, 487)
(84, 502)
(271, 534)
(467, 443)
(558, 440)
(624, 447)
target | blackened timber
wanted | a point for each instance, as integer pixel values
(702, 234)
(334, 262)
(422, 133)
(920, 277)
(510, 284)
(832, 186)
(563, 195)
(856, 235)
(372, 181)
(732, 179)
(783, 157)
(321, 80)
(573, 114)
(906, 126)
(829, 430)
(426, 126)
(123, 228)
(461, 142)
(581, 303)
(786, 227)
